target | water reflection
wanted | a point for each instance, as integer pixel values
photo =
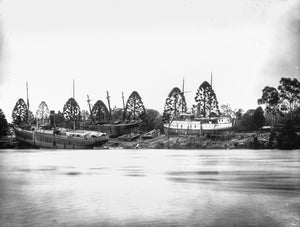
(150, 187)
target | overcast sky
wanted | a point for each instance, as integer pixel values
(147, 46)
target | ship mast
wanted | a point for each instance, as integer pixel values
(123, 101)
(211, 76)
(72, 108)
(108, 101)
(27, 102)
(91, 114)
(123, 106)
(182, 94)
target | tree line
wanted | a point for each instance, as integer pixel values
(278, 107)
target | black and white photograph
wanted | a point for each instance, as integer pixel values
(150, 113)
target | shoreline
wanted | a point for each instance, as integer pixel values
(238, 141)
(254, 140)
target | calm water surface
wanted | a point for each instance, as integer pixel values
(149, 188)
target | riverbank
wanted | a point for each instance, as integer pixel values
(257, 140)
(235, 141)
(8, 142)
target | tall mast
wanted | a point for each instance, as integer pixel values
(27, 102)
(108, 101)
(72, 108)
(27, 95)
(91, 114)
(182, 93)
(123, 101)
(123, 105)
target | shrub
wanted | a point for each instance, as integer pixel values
(287, 138)
(3, 124)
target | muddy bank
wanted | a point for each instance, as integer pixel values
(236, 141)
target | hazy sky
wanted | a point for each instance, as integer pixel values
(147, 46)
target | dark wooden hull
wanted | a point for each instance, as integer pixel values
(43, 140)
(113, 130)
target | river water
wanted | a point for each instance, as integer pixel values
(149, 188)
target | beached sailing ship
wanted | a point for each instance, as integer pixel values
(49, 136)
(101, 116)
(204, 119)
(60, 138)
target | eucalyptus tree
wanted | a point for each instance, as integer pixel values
(20, 112)
(135, 109)
(3, 124)
(289, 93)
(270, 97)
(153, 120)
(258, 119)
(117, 113)
(206, 101)
(226, 110)
(100, 112)
(71, 112)
(174, 104)
(42, 112)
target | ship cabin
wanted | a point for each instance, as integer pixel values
(204, 120)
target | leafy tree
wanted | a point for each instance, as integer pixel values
(295, 117)
(59, 118)
(287, 138)
(270, 97)
(3, 124)
(258, 119)
(289, 93)
(175, 104)
(117, 113)
(206, 100)
(153, 120)
(252, 120)
(244, 121)
(135, 109)
(71, 112)
(42, 112)
(20, 112)
(226, 110)
(239, 113)
(100, 112)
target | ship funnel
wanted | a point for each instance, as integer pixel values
(52, 120)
